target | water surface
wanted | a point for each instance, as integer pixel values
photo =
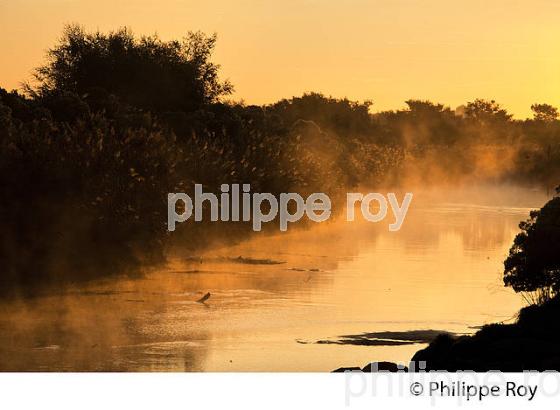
(274, 296)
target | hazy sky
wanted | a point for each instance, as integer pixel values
(384, 50)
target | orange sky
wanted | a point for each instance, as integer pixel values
(384, 50)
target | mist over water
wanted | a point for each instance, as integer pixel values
(274, 295)
(93, 280)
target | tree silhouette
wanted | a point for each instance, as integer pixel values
(544, 112)
(485, 111)
(533, 264)
(147, 73)
(340, 115)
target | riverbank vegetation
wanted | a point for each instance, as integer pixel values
(531, 342)
(113, 122)
(528, 344)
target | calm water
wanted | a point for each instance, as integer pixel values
(441, 271)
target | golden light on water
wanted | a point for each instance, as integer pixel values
(441, 271)
(211, 297)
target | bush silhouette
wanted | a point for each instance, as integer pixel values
(533, 264)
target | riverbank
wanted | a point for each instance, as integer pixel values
(531, 343)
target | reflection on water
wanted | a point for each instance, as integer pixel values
(441, 271)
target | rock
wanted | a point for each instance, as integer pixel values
(374, 367)
(347, 369)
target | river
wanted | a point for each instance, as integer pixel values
(274, 296)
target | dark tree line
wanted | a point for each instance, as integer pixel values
(115, 122)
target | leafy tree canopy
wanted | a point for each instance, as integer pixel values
(340, 115)
(533, 264)
(145, 72)
(485, 111)
(544, 112)
(426, 108)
